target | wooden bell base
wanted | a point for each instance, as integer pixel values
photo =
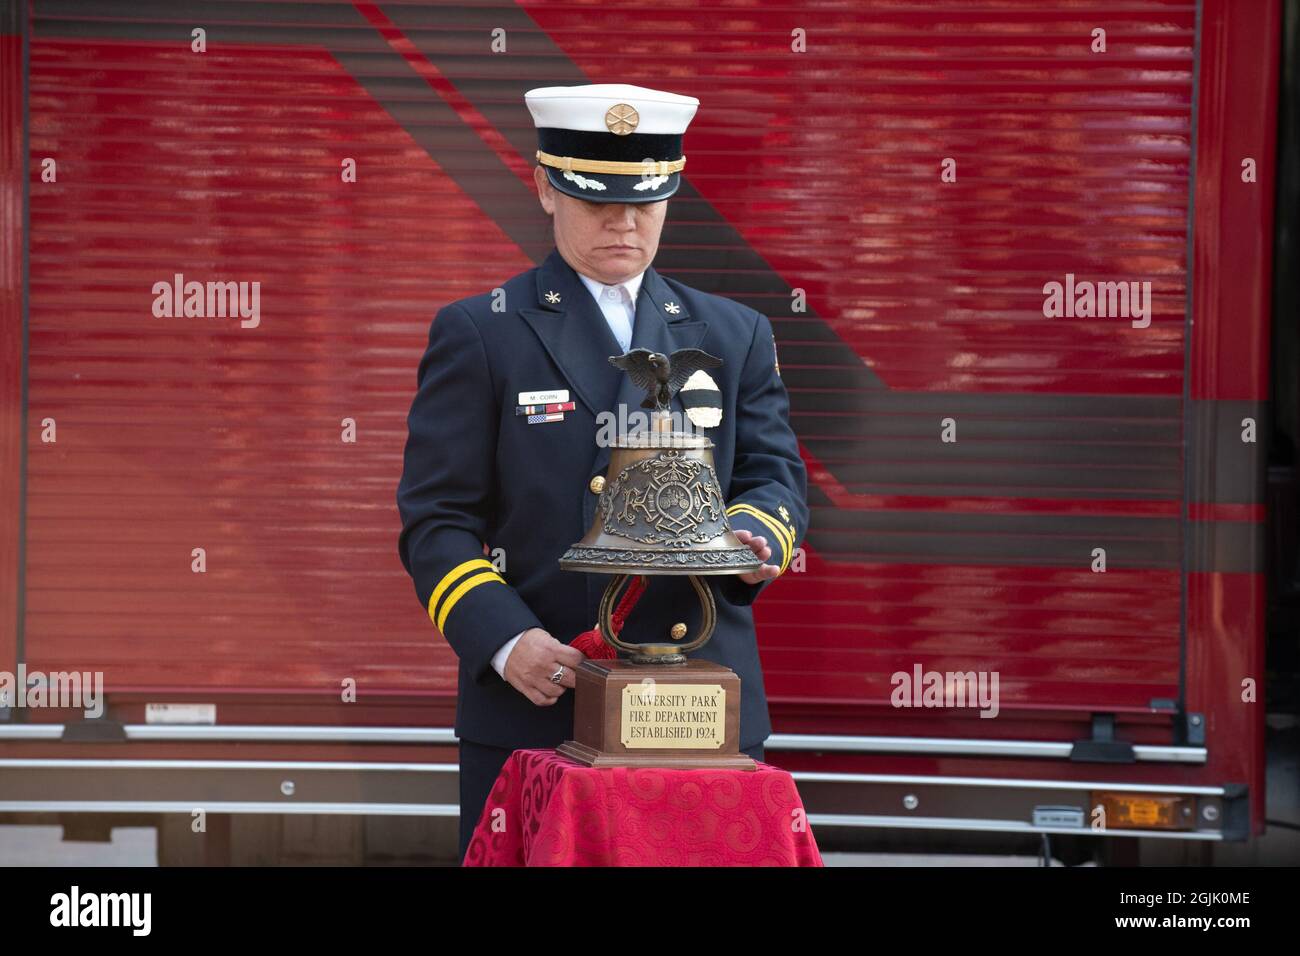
(609, 721)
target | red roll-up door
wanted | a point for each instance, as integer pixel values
(907, 309)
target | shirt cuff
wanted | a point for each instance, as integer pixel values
(499, 658)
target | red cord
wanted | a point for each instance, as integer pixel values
(591, 643)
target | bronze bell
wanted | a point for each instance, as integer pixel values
(660, 511)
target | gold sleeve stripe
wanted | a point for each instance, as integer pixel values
(461, 590)
(781, 533)
(451, 577)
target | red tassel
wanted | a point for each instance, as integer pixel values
(591, 643)
(593, 646)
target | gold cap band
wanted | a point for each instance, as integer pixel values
(660, 167)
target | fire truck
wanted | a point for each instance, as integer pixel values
(197, 511)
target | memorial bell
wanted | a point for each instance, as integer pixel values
(661, 510)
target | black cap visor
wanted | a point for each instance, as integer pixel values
(606, 147)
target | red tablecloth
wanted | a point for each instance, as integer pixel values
(548, 810)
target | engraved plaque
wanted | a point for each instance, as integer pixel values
(678, 716)
(612, 729)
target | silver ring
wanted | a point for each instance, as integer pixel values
(558, 675)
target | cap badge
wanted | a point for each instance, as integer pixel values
(621, 119)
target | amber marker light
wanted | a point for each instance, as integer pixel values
(1132, 811)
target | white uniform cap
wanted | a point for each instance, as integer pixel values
(611, 142)
(583, 108)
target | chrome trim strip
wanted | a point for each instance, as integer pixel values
(968, 747)
(837, 743)
(259, 732)
(61, 763)
(31, 731)
(344, 809)
(991, 826)
(388, 735)
(810, 776)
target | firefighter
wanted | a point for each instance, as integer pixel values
(502, 468)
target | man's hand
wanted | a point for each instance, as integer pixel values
(534, 659)
(758, 545)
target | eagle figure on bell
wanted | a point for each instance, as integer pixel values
(662, 376)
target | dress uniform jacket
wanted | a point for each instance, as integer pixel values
(480, 483)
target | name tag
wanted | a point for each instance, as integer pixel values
(544, 397)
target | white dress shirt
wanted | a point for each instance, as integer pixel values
(618, 303)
